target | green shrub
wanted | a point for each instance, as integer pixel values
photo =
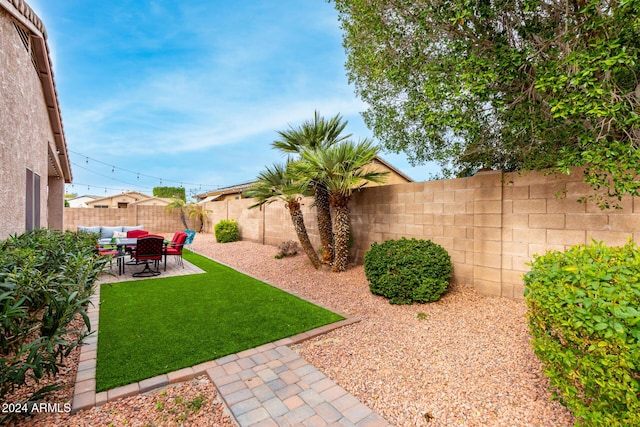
(46, 281)
(227, 231)
(583, 311)
(408, 270)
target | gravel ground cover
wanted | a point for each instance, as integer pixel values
(462, 361)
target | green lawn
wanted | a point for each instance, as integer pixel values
(151, 327)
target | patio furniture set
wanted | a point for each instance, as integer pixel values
(143, 248)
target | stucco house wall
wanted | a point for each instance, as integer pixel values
(128, 198)
(31, 136)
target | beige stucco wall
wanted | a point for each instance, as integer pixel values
(154, 201)
(112, 202)
(25, 131)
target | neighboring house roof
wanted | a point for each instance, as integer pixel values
(80, 201)
(134, 194)
(209, 199)
(59, 164)
(239, 188)
(232, 189)
(87, 196)
(383, 162)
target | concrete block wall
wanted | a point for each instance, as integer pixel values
(541, 213)
(492, 224)
(441, 211)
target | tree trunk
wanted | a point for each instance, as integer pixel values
(341, 233)
(323, 209)
(183, 219)
(301, 231)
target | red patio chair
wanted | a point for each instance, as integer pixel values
(112, 253)
(149, 248)
(134, 234)
(175, 248)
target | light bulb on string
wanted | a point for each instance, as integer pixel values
(113, 169)
(87, 161)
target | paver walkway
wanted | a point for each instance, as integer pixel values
(273, 386)
(269, 385)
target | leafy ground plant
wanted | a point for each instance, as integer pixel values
(154, 326)
(583, 311)
(46, 280)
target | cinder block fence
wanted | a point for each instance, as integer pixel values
(491, 224)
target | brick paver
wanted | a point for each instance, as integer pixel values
(293, 393)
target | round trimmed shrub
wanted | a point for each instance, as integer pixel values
(408, 270)
(227, 231)
(584, 314)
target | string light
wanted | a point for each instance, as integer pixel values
(139, 174)
(137, 185)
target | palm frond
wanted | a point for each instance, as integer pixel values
(276, 184)
(341, 167)
(312, 134)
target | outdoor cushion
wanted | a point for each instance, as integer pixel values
(119, 234)
(135, 227)
(173, 251)
(178, 240)
(107, 232)
(136, 233)
(89, 229)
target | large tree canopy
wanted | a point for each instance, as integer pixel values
(514, 85)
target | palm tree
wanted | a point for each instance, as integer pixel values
(199, 214)
(342, 169)
(180, 205)
(315, 135)
(276, 184)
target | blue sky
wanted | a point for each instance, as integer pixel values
(193, 91)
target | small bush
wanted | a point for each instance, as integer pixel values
(46, 281)
(408, 270)
(584, 314)
(227, 231)
(288, 248)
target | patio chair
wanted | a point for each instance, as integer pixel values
(134, 234)
(112, 253)
(149, 248)
(190, 235)
(175, 248)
